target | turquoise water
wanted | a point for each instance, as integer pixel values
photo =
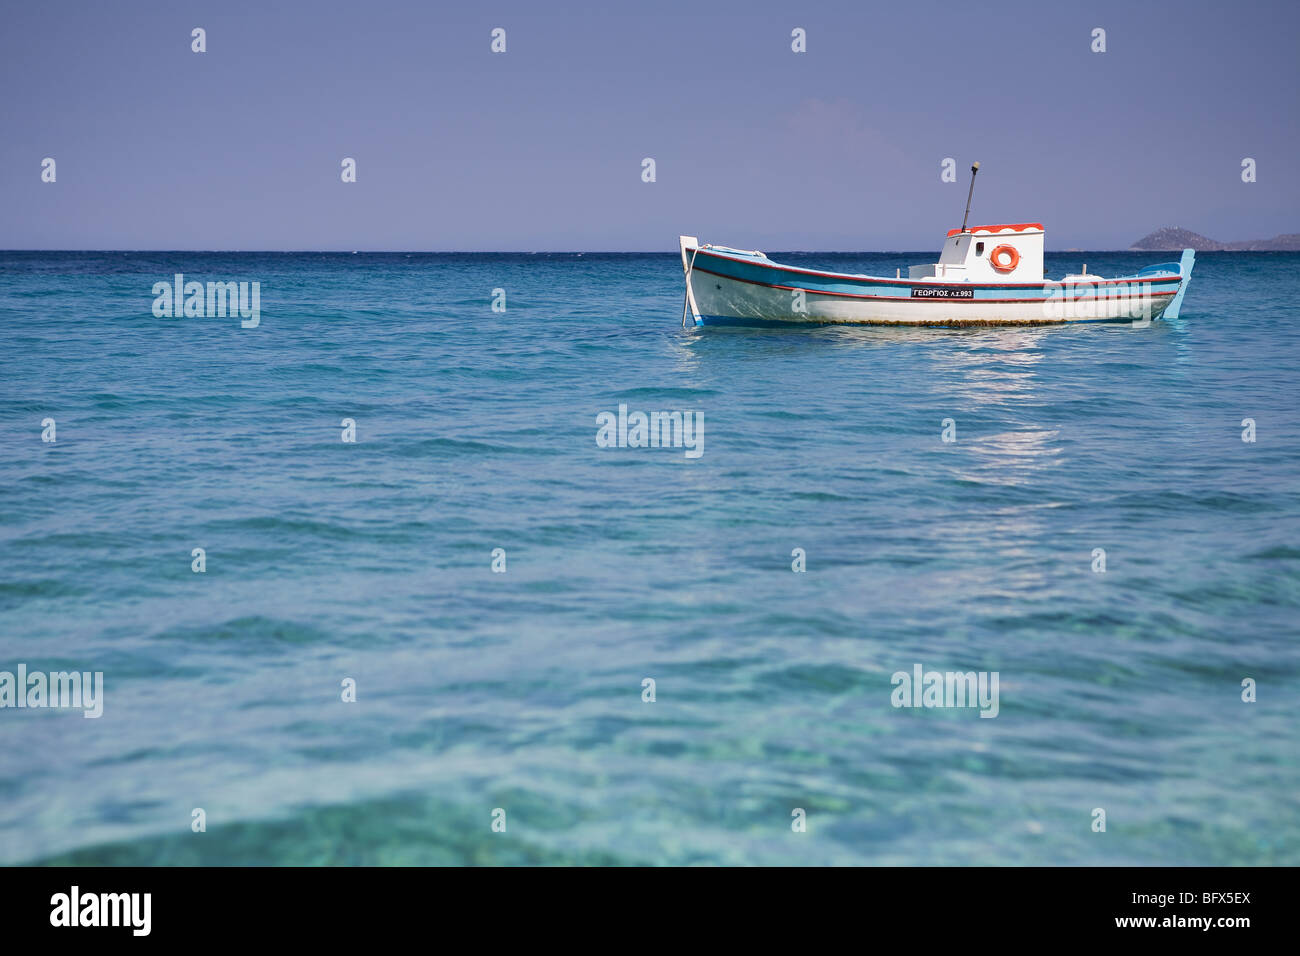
(522, 690)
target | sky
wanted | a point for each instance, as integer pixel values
(541, 147)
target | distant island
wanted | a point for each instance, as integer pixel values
(1176, 238)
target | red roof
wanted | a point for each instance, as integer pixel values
(1017, 226)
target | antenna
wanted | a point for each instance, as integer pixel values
(973, 170)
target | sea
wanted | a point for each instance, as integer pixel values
(363, 583)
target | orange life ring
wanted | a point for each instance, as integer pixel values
(996, 254)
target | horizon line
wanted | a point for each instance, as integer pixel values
(597, 252)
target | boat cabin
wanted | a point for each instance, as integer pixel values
(1002, 253)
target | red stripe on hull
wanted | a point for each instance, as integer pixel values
(896, 298)
(869, 280)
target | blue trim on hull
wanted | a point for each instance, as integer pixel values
(1164, 278)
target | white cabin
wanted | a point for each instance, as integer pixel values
(967, 256)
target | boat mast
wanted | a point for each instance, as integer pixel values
(973, 170)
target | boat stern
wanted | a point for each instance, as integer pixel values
(689, 246)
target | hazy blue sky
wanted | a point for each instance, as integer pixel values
(541, 147)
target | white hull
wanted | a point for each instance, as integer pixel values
(718, 298)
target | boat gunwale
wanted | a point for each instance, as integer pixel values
(878, 280)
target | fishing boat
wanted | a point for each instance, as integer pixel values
(986, 275)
